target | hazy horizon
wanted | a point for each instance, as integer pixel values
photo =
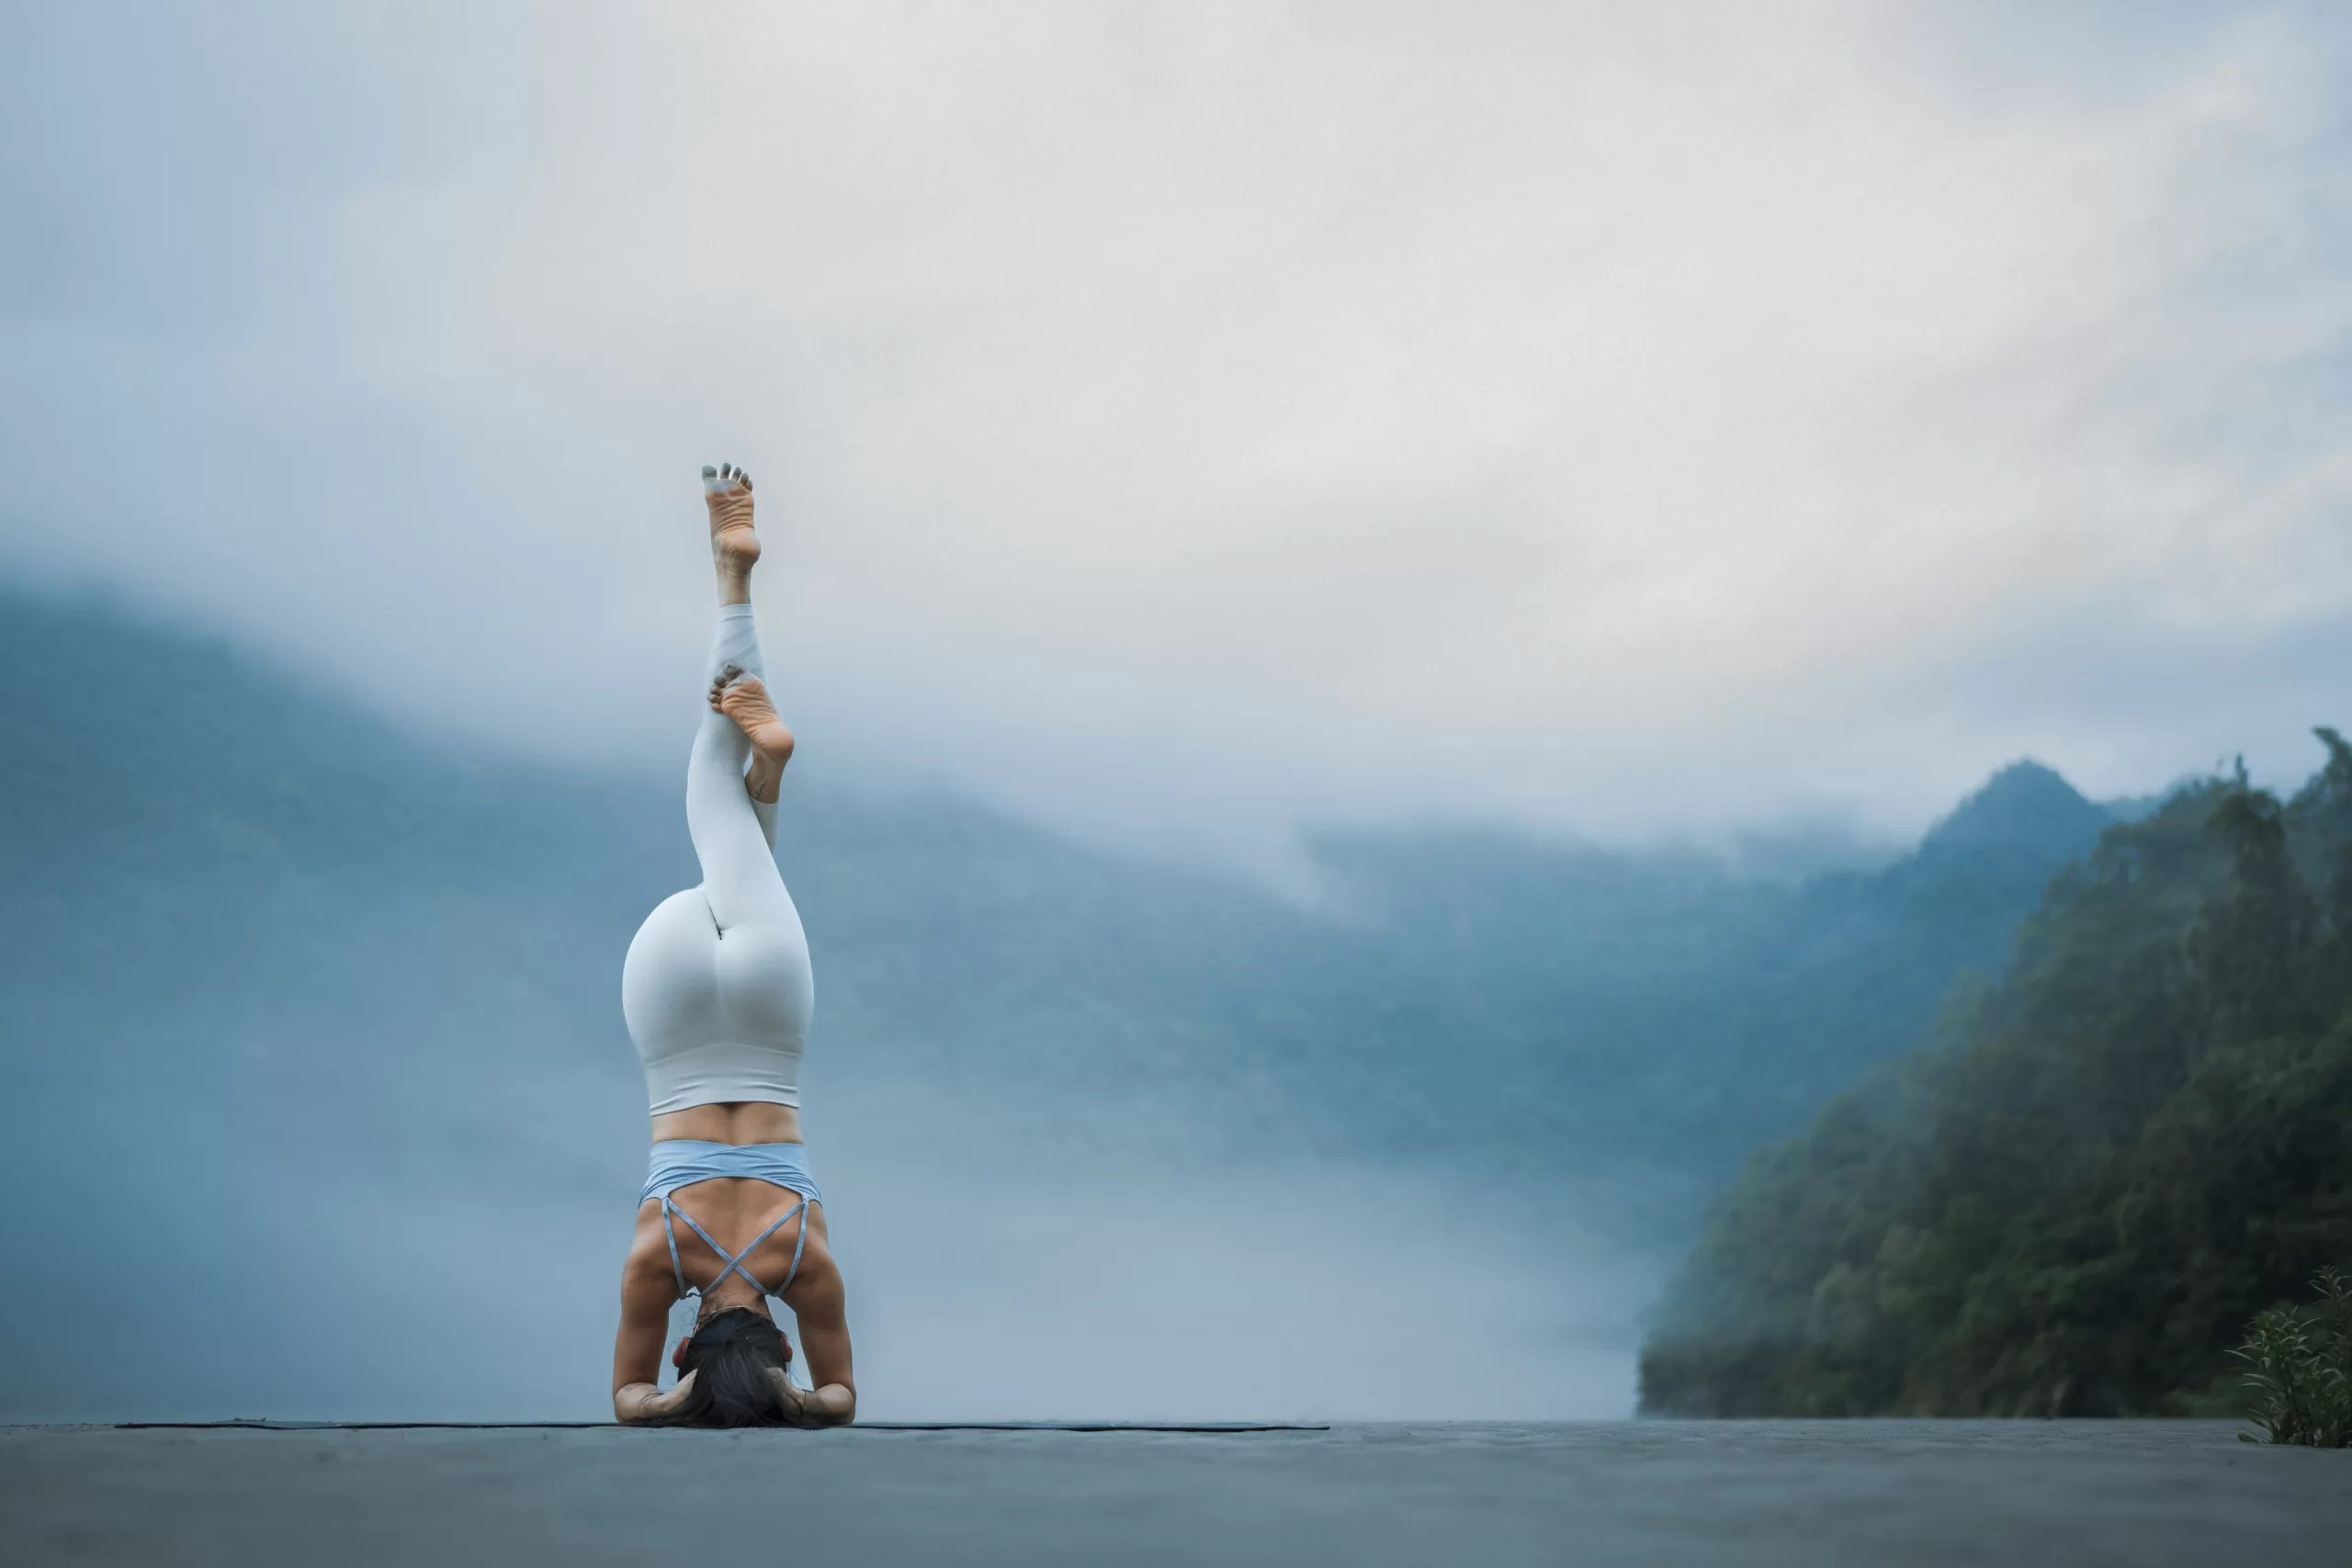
(1795, 840)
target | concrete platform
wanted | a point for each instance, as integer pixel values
(1803, 1493)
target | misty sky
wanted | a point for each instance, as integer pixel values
(1187, 418)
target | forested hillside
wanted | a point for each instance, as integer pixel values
(2073, 1200)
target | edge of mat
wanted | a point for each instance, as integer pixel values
(269, 1426)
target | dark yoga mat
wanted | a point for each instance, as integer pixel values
(260, 1425)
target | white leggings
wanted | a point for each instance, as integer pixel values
(717, 986)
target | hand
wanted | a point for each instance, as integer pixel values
(834, 1405)
(642, 1401)
(789, 1394)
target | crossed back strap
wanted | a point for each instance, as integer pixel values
(733, 1263)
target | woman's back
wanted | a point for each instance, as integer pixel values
(733, 1211)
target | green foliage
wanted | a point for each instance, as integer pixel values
(2071, 1200)
(2298, 1373)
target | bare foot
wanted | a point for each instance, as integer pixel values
(727, 491)
(744, 698)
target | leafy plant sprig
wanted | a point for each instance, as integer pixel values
(2298, 1371)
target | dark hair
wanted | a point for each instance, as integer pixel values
(731, 1356)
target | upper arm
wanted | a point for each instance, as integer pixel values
(647, 1296)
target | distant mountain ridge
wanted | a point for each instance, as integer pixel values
(2026, 808)
(1545, 1006)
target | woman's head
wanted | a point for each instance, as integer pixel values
(737, 1358)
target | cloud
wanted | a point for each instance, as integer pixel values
(1181, 417)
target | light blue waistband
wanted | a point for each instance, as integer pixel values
(682, 1162)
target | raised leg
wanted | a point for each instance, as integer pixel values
(740, 751)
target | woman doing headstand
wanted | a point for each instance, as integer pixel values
(717, 991)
